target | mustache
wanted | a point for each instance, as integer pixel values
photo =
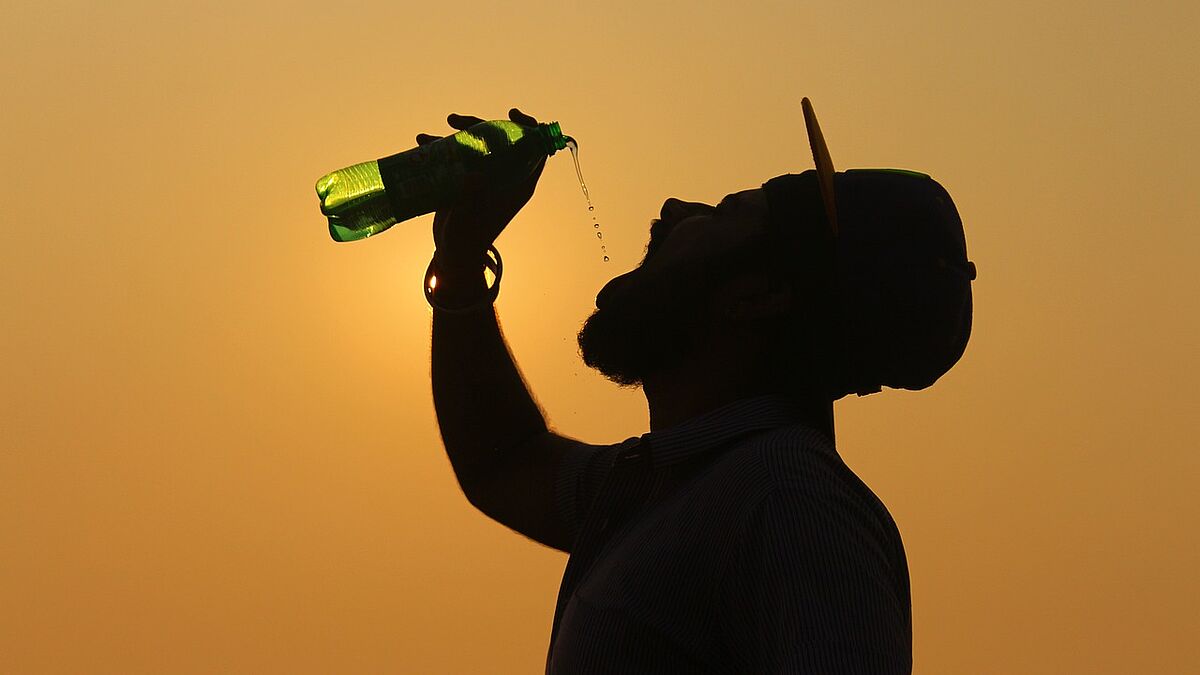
(657, 233)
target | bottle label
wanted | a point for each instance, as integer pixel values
(419, 180)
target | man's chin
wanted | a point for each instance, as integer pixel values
(621, 379)
(605, 344)
(626, 348)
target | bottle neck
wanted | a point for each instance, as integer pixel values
(552, 137)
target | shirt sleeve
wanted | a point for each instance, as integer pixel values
(577, 480)
(811, 589)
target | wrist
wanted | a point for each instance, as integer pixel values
(460, 261)
(456, 284)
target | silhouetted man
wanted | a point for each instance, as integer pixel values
(731, 538)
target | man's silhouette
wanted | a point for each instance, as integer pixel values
(731, 538)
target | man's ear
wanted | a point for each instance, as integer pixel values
(751, 296)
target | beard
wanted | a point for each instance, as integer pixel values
(643, 333)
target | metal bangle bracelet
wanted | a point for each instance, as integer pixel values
(497, 268)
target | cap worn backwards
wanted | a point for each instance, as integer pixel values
(882, 271)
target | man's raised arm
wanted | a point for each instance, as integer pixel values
(502, 452)
(494, 433)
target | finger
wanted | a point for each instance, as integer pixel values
(521, 118)
(462, 121)
(422, 139)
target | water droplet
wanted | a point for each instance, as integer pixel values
(591, 208)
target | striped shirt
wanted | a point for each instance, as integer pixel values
(736, 542)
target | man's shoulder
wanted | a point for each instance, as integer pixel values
(785, 456)
(753, 468)
(796, 461)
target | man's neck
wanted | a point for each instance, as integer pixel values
(716, 375)
(671, 404)
(676, 398)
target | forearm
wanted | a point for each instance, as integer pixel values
(483, 406)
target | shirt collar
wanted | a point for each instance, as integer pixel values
(714, 429)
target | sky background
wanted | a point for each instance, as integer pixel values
(218, 451)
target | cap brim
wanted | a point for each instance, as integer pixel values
(823, 162)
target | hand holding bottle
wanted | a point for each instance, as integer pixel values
(463, 230)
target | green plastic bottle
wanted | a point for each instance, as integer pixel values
(370, 197)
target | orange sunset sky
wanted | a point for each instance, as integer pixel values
(218, 452)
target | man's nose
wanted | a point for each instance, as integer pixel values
(675, 209)
(614, 287)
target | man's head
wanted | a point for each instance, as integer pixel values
(707, 274)
(795, 307)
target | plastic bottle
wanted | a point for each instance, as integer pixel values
(368, 198)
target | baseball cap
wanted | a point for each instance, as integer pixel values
(882, 265)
